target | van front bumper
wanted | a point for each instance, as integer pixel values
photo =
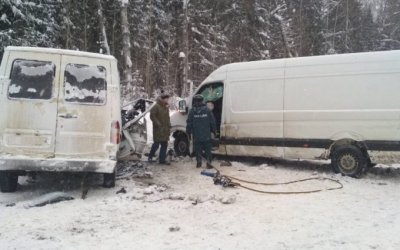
(18, 163)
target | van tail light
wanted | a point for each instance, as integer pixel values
(115, 137)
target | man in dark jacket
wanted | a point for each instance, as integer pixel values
(159, 115)
(200, 124)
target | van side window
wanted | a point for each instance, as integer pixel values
(31, 79)
(212, 92)
(85, 84)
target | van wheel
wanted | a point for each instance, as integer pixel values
(109, 180)
(181, 145)
(349, 160)
(8, 182)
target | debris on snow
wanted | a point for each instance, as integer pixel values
(153, 198)
(146, 175)
(150, 190)
(160, 188)
(228, 200)
(135, 170)
(46, 199)
(174, 229)
(138, 196)
(176, 196)
(225, 164)
(121, 191)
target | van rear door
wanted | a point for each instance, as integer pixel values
(31, 106)
(84, 116)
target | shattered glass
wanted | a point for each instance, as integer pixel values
(212, 93)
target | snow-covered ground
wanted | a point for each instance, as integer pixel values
(180, 209)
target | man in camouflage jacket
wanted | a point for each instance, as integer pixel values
(159, 115)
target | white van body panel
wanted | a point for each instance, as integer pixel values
(353, 96)
(257, 113)
(57, 134)
(300, 107)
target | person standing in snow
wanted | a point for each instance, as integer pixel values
(159, 115)
(200, 125)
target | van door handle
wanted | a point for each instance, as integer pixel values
(68, 116)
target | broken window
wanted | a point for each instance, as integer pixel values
(85, 84)
(212, 93)
(31, 79)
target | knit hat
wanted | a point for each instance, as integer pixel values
(164, 95)
(198, 99)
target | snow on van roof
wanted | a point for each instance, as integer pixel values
(60, 51)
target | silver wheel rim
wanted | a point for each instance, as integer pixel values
(348, 162)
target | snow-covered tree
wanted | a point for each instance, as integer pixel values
(390, 22)
(28, 23)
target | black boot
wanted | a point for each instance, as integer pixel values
(209, 166)
(198, 165)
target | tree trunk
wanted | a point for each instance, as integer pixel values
(85, 29)
(104, 41)
(185, 76)
(149, 87)
(126, 47)
(68, 31)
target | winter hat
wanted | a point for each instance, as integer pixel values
(164, 95)
(198, 99)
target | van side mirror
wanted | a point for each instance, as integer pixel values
(183, 107)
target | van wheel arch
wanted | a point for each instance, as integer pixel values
(181, 144)
(345, 142)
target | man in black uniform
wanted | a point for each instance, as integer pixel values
(200, 125)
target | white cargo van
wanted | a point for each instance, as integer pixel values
(59, 111)
(340, 107)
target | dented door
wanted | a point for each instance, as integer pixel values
(83, 119)
(31, 104)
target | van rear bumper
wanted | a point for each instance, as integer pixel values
(15, 163)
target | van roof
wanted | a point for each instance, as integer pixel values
(59, 51)
(378, 56)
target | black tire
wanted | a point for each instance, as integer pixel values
(8, 182)
(349, 160)
(181, 145)
(109, 180)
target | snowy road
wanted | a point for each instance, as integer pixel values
(363, 215)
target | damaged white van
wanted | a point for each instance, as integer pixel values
(59, 111)
(340, 107)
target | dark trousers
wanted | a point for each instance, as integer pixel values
(199, 147)
(163, 150)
